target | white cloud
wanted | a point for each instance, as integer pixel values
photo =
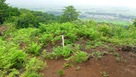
(127, 3)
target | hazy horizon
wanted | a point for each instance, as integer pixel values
(51, 3)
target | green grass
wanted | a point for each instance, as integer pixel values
(60, 72)
(116, 22)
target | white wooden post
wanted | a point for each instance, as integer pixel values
(63, 40)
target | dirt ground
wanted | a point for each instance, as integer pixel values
(105, 67)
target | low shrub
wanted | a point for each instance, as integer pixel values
(78, 57)
(35, 48)
(62, 51)
(33, 66)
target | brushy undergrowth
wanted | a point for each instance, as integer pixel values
(24, 61)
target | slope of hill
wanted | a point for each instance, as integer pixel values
(89, 50)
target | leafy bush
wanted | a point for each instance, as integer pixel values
(35, 64)
(14, 73)
(98, 54)
(134, 22)
(89, 33)
(116, 54)
(45, 38)
(34, 48)
(78, 57)
(27, 20)
(56, 30)
(14, 58)
(106, 30)
(11, 58)
(93, 44)
(72, 37)
(62, 51)
(117, 34)
(31, 74)
(32, 67)
(23, 35)
(42, 28)
(60, 72)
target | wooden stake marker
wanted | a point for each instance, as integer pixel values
(63, 40)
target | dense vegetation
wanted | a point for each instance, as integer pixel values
(20, 47)
(23, 47)
(24, 18)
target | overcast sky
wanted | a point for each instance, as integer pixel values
(122, 3)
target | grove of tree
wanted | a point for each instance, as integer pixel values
(69, 14)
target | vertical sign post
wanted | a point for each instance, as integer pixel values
(63, 41)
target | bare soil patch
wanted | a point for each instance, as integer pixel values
(95, 68)
(107, 66)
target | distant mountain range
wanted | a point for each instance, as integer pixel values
(91, 12)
